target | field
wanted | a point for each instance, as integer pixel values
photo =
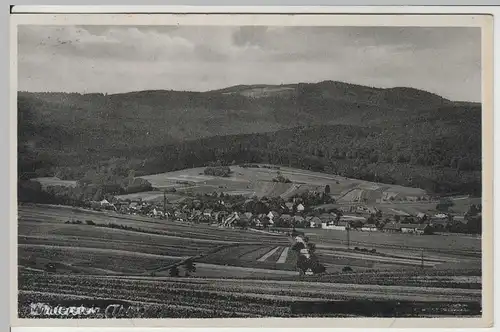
(239, 273)
(258, 182)
(53, 181)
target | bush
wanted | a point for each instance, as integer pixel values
(90, 222)
(356, 248)
(281, 179)
(174, 271)
(222, 171)
(346, 269)
(298, 246)
(373, 251)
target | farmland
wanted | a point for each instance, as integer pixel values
(238, 273)
(215, 297)
(258, 182)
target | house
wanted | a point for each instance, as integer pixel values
(154, 212)
(249, 215)
(286, 218)
(229, 221)
(441, 216)
(315, 222)
(305, 253)
(196, 215)
(439, 223)
(220, 216)
(309, 272)
(134, 206)
(273, 215)
(369, 228)
(413, 228)
(298, 220)
(300, 208)
(289, 206)
(421, 215)
(392, 228)
(182, 216)
(263, 218)
(299, 239)
(366, 209)
(341, 226)
(327, 218)
(421, 229)
(462, 219)
(207, 213)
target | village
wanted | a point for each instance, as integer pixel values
(277, 215)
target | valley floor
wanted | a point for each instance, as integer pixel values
(237, 273)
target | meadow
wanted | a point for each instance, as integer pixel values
(258, 182)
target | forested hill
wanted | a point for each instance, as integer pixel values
(398, 135)
(98, 121)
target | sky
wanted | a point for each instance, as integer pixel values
(114, 59)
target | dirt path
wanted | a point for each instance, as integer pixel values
(283, 256)
(266, 256)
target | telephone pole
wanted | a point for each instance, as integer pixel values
(165, 203)
(348, 240)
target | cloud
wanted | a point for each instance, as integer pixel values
(125, 58)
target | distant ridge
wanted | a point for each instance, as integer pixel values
(359, 131)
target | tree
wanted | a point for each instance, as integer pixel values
(174, 271)
(428, 230)
(189, 267)
(298, 246)
(444, 205)
(222, 171)
(242, 223)
(346, 269)
(327, 189)
(302, 263)
(311, 246)
(315, 265)
(473, 210)
(474, 225)
(265, 222)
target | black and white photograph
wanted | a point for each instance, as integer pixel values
(249, 171)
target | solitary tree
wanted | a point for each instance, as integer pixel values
(298, 246)
(311, 246)
(174, 271)
(327, 189)
(189, 266)
(302, 263)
